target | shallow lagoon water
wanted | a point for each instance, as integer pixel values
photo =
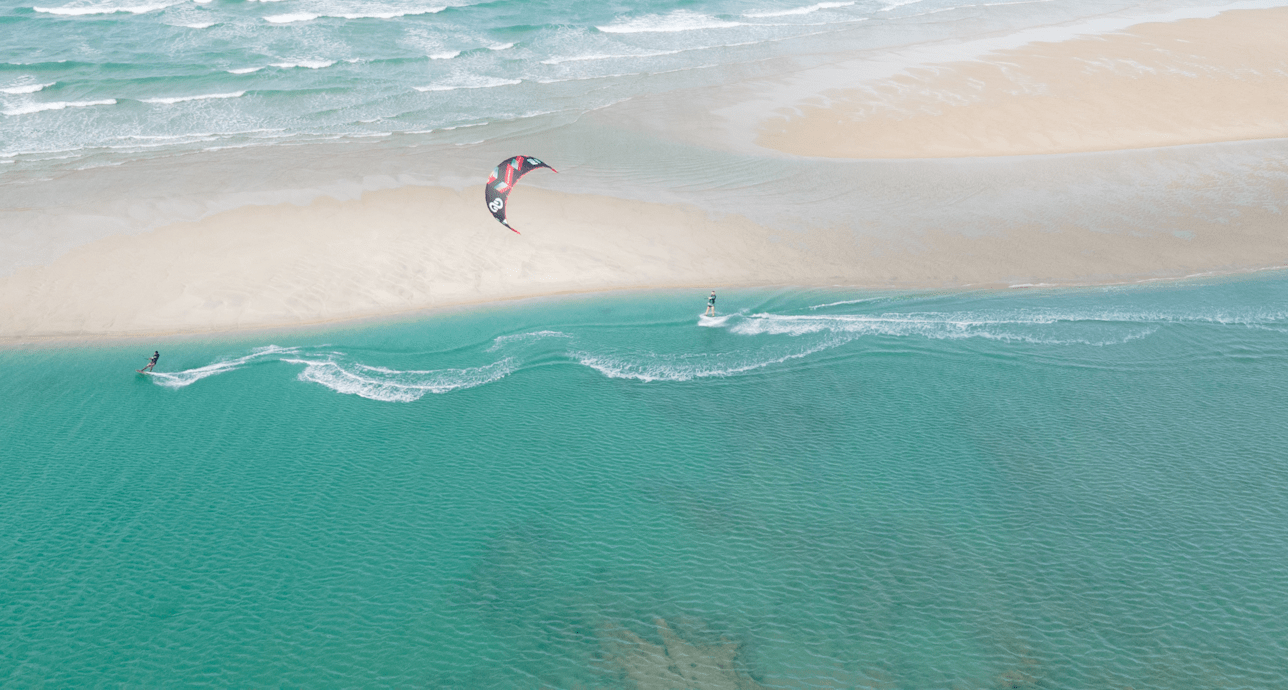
(1025, 488)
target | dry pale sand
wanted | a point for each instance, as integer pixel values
(1191, 81)
(414, 248)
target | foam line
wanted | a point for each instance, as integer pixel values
(848, 301)
(507, 340)
(680, 20)
(294, 17)
(485, 84)
(389, 385)
(203, 97)
(797, 10)
(56, 105)
(187, 377)
(653, 367)
(25, 88)
(308, 64)
(101, 9)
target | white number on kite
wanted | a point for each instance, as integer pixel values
(496, 205)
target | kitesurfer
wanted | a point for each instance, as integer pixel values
(711, 304)
(152, 362)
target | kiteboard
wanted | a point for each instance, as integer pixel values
(143, 372)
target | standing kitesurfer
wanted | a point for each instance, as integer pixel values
(152, 362)
(711, 304)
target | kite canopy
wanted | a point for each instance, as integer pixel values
(502, 180)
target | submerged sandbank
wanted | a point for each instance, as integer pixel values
(414, 248)
(1190, 81)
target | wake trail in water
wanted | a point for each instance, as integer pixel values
(187, 377)
(391, 385)
(735, 344)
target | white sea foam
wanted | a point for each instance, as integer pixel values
(202, 97)
(56, 105)
(480, 83)
(245, 70)
(501, 46)
(25, 88)
(797, 10)
(848, 301)
(198, 25)
(505, 340)
(713, 321)
(81, 10)
(1037, 327)
(290, 18)
(686, 367)
(187, 377)
(389, 385)
(445, 56)
(680, 20)
(307, 64)
(294, 17)
(607, 56)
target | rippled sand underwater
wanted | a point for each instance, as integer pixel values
(1026, 488)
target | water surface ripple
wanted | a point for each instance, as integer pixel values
(1026, 489)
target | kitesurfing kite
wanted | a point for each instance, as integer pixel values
(502, 180)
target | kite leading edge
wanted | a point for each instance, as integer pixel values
(502, 180)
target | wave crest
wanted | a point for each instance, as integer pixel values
(56, 105)
(203, 97)
(680, 20)
(797, 10)
(25, 88)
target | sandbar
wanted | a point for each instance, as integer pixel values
(1191, 81)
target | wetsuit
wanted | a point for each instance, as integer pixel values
(711, 301)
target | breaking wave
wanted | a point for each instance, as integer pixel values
(680, 20)
(184, 99)
(25, 88)
(56, 105)
(478, 83)
(102, 9)
(797, 10)
(308, 17)
(307, 64)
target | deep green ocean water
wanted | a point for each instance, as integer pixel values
(1045, 489)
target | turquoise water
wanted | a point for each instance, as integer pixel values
(1066, 489)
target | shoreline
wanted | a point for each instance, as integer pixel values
(417, 313)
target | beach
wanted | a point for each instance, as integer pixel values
(283, 260)
(990, 396)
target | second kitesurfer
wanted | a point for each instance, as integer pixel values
(152, 362)
(711, 304)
